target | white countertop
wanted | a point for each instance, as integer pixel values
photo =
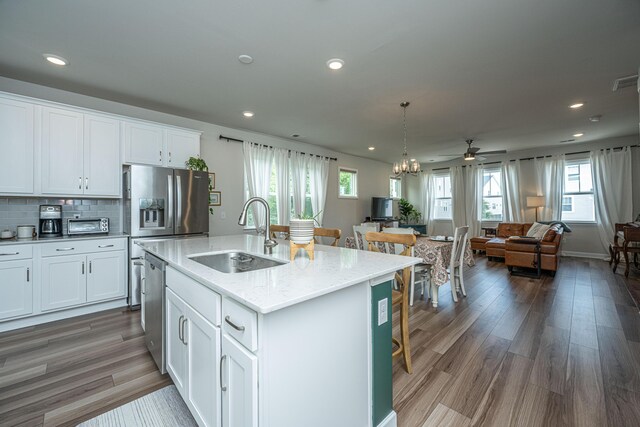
(274, 288)
(65, 238)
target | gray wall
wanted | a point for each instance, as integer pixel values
(225, 159)
(584, 238)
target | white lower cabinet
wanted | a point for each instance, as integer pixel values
(64, 282)
(239, 385)
(193, 347)
(106, 271)
(16, 288)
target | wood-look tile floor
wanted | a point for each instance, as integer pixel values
(561, 351)
(516, 351)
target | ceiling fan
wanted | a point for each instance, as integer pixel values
(473, 153)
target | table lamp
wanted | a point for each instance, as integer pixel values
(535, 202)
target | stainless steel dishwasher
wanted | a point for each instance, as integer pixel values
(154, 308)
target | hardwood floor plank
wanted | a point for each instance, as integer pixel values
(508, 325)
(541, 407)
(446, 417)
(502, 400)
(527, 339)
(583, 323)
(618, 366)
(416, 405)
(623, 406)
(561, 312)
(551, 361)
(630, 320)
(467, 391)
(584, 388)
(606, 313)
(9, 378)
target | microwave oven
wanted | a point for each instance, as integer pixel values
(87, 226)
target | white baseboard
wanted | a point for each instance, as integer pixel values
(390, 420)
(586, 255)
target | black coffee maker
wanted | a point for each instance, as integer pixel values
(50, 221)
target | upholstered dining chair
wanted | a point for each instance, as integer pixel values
(400, 297)
(420, 273)
(359, 232)
(328, 232)
(456, 266)
(279, 231)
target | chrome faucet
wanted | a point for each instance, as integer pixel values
(269, 243)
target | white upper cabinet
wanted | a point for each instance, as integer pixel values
(62, 151)
(80, 153)
(143, 143)
(156, 145)
(102, 167)
(16, 146)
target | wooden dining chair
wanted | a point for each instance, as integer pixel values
(456, 266)
(279, 232)
(359, 232)
(399, 297)
(328, 232)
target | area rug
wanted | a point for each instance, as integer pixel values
(161, 408)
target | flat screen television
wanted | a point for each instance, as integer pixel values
(381, 208)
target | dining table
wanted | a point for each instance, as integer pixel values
(435, 252)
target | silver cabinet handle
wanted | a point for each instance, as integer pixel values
(180, 327)
(27, 274)
(79, 183)
(89, 267)
(222, 386)
(160, 156)
(9, 254)
(233, 325)
(82, 267)
(184, 338)
(86, 183)
(136, 262)
(110, 246)
(178, 202)
(143, 291)
(65, 249)
(169, 156)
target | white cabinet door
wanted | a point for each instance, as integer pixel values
(203, 383)
(240, 377)
(102, 166)
(16, 146)
(143, 143)
(62, 152)
(64, 281)
(180, 146)
(175, 346)
(16, 288)
(106, 276)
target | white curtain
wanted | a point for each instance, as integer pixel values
(283, 198)
(458, 199)
(513, 210)
(427, 198)
(318, 177)
(550, 177)
(612, 190)
(473, 198)
(298, 162)
(258, 160)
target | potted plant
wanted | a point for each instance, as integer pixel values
(301, 228)
(196, 164)
(408, 213)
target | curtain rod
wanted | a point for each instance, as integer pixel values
(540, 157)
(270, 146)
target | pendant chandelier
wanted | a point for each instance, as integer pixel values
(406, 165)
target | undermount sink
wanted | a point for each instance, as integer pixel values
(236, 262)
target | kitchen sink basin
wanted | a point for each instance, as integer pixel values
(236, 262)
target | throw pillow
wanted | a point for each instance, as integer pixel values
(538, 230)
(551, 233)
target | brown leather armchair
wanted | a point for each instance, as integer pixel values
(522, 252)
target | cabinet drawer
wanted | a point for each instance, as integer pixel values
(241, 323)
(69, 247)
(11, 252)
(202, 299)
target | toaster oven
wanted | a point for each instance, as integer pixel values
(87, 226)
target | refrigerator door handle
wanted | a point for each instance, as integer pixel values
(171, 207)
(178, 202)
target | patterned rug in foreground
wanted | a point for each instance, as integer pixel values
(161, 408)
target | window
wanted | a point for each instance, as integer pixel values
(442, 199)
(491, 195)
(272, 199)
(577, 200)
(395, 187)
(348, 182)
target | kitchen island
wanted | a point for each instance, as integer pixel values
(302, 343)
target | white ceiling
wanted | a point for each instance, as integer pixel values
(500, 71)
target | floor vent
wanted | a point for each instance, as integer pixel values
(624, 82)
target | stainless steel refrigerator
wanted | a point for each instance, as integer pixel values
(161, 202)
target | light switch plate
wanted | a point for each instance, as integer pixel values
(383, 311)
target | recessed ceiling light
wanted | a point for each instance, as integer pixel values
(335, 63)
(576, 105)
(248, 113)
(55, 59)
(578, 135)
(412, 160)
(596, 118)
(372, 148)
(245, 59)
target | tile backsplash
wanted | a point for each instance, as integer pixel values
(16, 211)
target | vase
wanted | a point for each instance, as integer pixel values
(301, 231)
